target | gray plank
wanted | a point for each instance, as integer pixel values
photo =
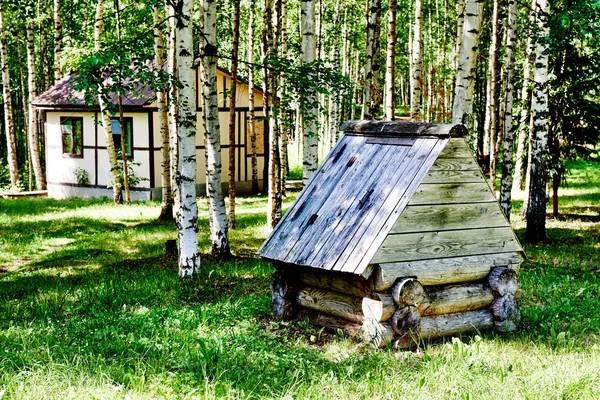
(433, 245)
(456, 147)
(314, 194)
(452, 176)
(348, 191)
(442, 193)
(444, 217)
(391, 141)
(367, 248)
(456, 164)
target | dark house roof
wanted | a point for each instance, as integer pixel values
(389, 193)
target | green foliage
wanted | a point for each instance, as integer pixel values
(81, 176)
(134, 179)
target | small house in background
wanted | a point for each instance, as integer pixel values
(397, 238)
(75, 146)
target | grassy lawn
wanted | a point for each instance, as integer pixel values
(90, 307)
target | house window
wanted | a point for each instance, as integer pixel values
(72, 136)
(115, 124)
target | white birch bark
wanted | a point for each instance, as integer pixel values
(491, 114)
(57, 41)
(376, 92)
(232, 119)
(9, 128)
(166, 207)
(34, 147)
(310, 142)
(251, 118)
(536, 210)
(216, 203)
(368, 90)
(334, 98)
(462, 108)
(507, 155)
(416, 83)
(110, 144)
(390, 75)
(524, 124)
(172, 100)
(187, 216)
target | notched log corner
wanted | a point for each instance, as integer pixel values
(283, 292)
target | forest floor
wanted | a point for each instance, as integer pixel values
(91, 307)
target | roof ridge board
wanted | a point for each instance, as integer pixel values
(419, 129)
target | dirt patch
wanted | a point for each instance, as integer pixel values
(51, 245)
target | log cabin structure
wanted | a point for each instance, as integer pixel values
(397, 238)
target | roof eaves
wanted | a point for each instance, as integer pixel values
(390, 128)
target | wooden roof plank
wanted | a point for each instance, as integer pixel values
(444, 217)
(456, 147)
(367, 248)
(345, 199)
(432, 245)
(451, 176)
(325, 175)
(456, 164)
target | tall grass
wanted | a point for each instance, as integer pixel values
(91, 307)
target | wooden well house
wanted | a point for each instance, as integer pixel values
(397, 238)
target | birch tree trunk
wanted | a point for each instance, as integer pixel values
(110, 144)
(507, 155)
(11, 140)
(122, 118)
(376, 92)
(524, 125)
(166, 207)
(417, 62)
(285, 125)
(367, 93)
(310, 143)
(216, 204)
(187, 216)
(491, 115)
(57, 41)
(462, 108)
(536, 211)
(232, 104)
(251, 118)
(173, 109)
(34, 146)
(390, 82)
(334, 97)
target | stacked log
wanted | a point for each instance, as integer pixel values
(405, 313)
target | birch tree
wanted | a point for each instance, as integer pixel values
(57, 40)
(536, 210)
(9, 128)
(507, 154)
(462, 108)
(232, 103)
(334, 98)
(251, 118)
(110, 144)
(216, 204)
(390, 76)
(491, 114)
(310, 143)
(187, 216)
(33, 134)
(166, 207)
(373, 9)
(416, 85)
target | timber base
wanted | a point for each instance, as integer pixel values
(403, 315)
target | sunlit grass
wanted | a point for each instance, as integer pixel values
(91, 307)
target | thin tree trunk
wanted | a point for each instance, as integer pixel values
(310, 143)
(536, 211)
(173, 109)
(166, 207)
(376, 92)
(11, 140)
(368, 90)
(57, 41)
(462, 108)
(251, 118)
(491, 115)
(334, 97)
(34, 147)
(507, 157)
(416, 61)
(187, 217)
(232, 104)
(216, 204)
(283, 134)
(460, 22)
(122, 118)
(524, 131)
(390, 82)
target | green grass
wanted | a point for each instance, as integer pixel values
(90, 307)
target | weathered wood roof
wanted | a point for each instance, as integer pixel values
(389, 193)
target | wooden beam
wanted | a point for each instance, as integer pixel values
(452, 193)
(436, 245)
(444, 270)
(332, 303)
(450, 299)
(453, 324)
(452, 176)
